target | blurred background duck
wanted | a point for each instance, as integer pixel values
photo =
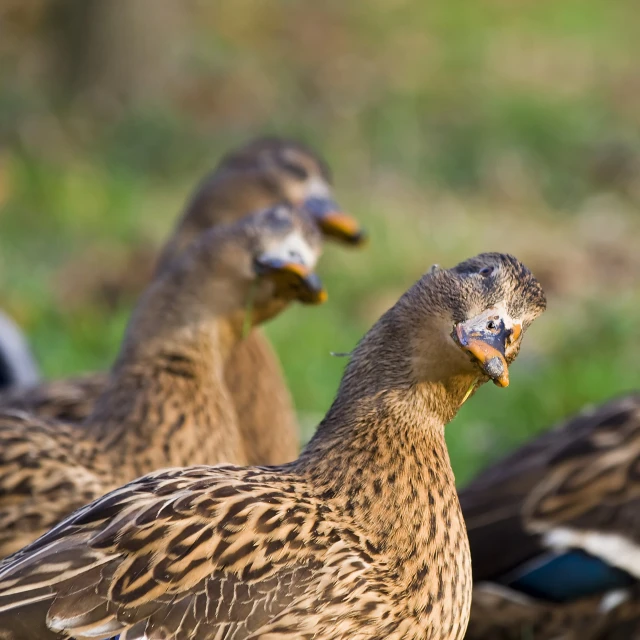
(361, 537)
(260, 174)
(18, 368)
(554, 532)
(165, 401)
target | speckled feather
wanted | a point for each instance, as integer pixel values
(165, 402)
(498, 613)
(247, 179)
(360, 538)
(573, 487)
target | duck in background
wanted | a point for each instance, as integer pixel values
(361, 537)
(18, 368)
(258, 175)
(554, 531)
(165, 402)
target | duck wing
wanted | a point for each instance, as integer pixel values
(573, 476)
(589, 499)
(69, 400)
(203, 552)
(42, 478)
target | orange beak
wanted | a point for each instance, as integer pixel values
(292, 279)
(485, 339)
(333, 223)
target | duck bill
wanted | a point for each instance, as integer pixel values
(334, 223)
(292, 279)
(484, 338)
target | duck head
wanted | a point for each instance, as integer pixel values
(285, 252)
(303, 178)
(234, 276)
(264, 262)
(500, 298)
(479, 312)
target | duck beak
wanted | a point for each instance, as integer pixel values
(485, 338)
(333, 222)
(291, 279)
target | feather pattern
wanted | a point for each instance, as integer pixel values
(165, 402)
(245, 548)
(566, 503)
(260, 174)
(361, 537)
(501, 613)
(67, 400)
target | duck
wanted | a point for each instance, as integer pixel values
(18, 368)
(260, 174)
(284, 169)
(165, 402)
(361, 537)
(553, 532)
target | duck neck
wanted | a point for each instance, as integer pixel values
(166, 403)
(381, 455)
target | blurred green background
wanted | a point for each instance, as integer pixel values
(453, 127)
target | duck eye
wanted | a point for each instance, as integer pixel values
(491, 325)
(296, 170)
(279, 216)
(485, 272)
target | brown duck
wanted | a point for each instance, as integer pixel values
(165, 402)
(262, 173)
(554, 532)
(360, 538)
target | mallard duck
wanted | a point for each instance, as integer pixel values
(258, 175)
(278, 169)
(166, 401)
(17, 365)
(359, 538)
(553, 531)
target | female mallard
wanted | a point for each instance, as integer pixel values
(360, 538)
(165, 402)
(253, 177)
(553, 530)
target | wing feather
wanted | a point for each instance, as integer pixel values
(581, 476)
(227, 551)
(42, 478)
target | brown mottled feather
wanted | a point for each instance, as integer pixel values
(252, 375)
(579, 477)
(498, 613)
(69, 400)
(165, 402)
(41, 465)
(263, 403)
(591, 483)
(360, 538)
